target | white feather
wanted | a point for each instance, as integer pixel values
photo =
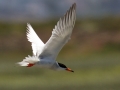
(36, 42)
(45, 54)
(60, 34)
(29, 59)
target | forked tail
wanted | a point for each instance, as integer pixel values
(29, 61)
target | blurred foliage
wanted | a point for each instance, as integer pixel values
(95, 71)
(89, 35)
(105, 23)
(93, 53)
(100, 24)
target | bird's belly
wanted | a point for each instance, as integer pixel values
(45, 64)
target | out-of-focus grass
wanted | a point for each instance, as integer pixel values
(96, 71)
(93, 53)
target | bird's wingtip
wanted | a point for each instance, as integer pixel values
(28, 24)
(74, 5)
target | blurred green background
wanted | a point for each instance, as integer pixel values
(93, 52)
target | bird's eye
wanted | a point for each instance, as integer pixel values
(62, 65)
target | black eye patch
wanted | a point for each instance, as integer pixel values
(62, 65)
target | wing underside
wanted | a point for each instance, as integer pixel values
(60, 34)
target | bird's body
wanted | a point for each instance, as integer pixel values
(44, 55)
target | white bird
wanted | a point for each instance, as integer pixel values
(45, 55)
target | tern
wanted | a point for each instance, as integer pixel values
(44, 55)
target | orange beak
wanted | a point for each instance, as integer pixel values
(68, 69)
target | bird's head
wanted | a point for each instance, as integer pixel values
(64, 67)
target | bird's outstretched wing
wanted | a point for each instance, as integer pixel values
(60, 34)
(36, 42)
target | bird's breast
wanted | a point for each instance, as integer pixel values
(46, 63)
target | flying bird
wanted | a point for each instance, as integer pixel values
(44, 55)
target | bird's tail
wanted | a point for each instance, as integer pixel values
(29, 61)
